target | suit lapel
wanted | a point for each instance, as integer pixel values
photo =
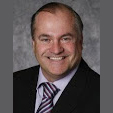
(32, 90)
(32, 97)
(70, 96)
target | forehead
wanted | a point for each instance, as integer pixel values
(59, 17)
(54, 25)
(62, 10)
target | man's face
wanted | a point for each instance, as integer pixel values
(55, 44)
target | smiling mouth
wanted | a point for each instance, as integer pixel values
(56, 58)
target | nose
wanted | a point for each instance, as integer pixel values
(56, 48)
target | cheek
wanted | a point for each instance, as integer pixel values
(40, 50)
(73, 49)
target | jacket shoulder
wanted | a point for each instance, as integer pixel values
(91, 77)
(26, 73)
(86, 69)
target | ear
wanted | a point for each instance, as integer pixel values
(81, 41)
(33, 44)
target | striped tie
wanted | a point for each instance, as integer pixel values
(50, 90)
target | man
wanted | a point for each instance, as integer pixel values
(57, 43)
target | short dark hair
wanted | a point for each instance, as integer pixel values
(52, 8)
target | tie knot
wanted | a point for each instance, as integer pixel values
(50, 90)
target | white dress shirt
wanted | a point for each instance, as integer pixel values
(60, 84)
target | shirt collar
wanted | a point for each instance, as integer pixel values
(61, 83)
(41, 78)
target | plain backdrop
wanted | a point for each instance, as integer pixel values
(89, 10)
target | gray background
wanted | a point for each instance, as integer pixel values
(89, 10)
(6, 32)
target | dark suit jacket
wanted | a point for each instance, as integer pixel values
(82, 94)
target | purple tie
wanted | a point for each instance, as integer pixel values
(50, 90)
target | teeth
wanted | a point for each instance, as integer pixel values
(56, 58)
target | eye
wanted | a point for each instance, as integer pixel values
(66, 39)
(45, 40)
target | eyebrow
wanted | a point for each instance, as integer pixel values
(44, 35)
(67, 34)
